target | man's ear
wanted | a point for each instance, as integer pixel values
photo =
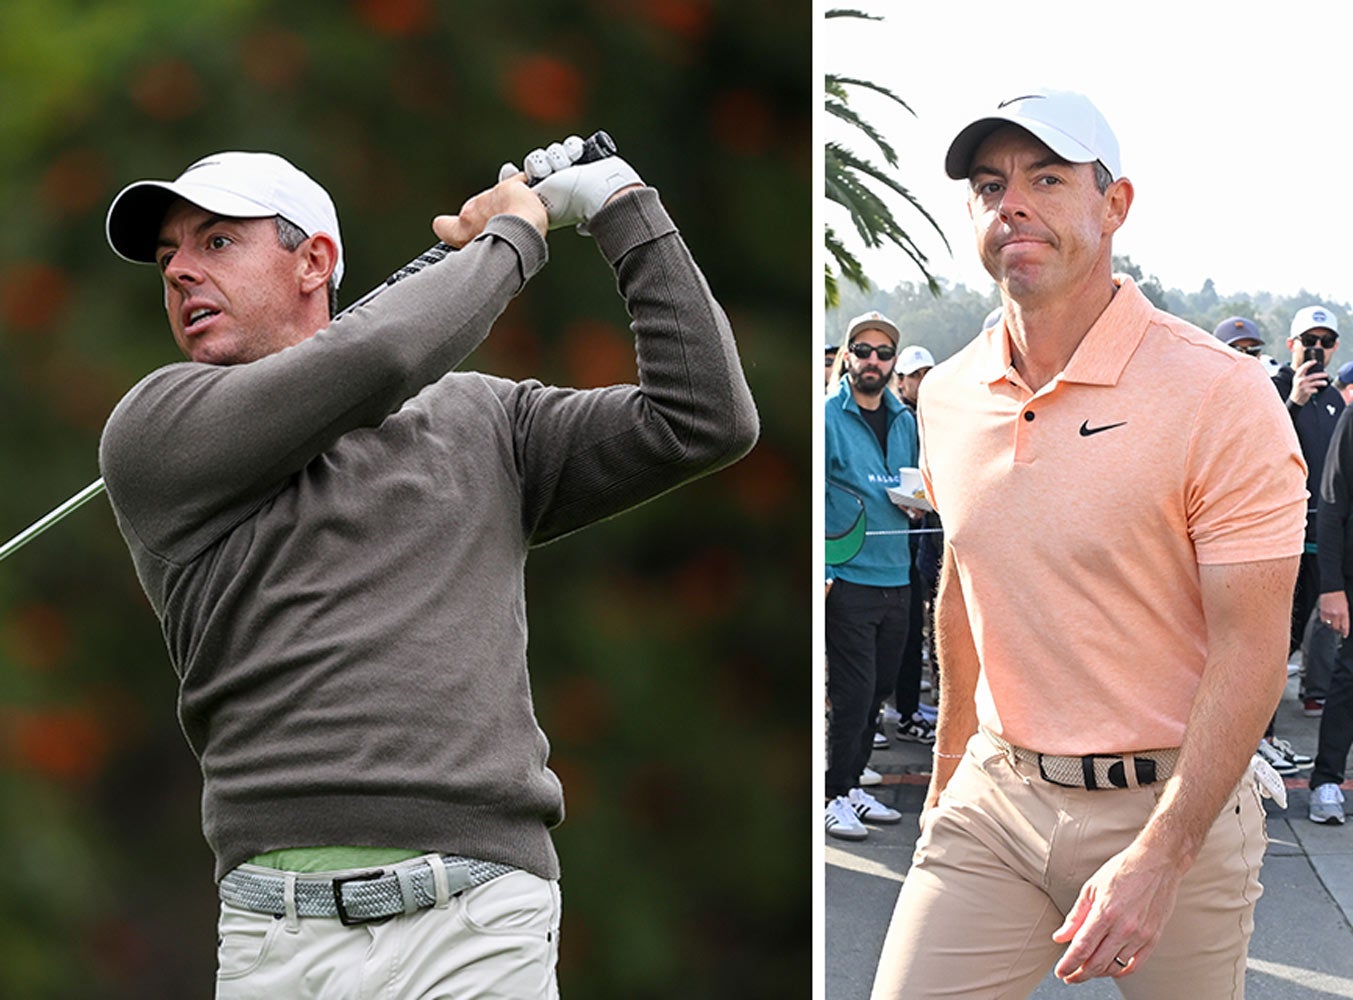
(318, 256)
(1117, 202)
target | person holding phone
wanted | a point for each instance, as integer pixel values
(1314, 405)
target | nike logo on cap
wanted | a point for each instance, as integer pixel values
(1087, 430)
(1016, 100)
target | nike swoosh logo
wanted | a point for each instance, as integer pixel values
(1087, 430)
(1014, 100)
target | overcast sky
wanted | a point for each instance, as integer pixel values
(1236, 129)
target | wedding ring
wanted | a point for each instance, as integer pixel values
(1121, 964)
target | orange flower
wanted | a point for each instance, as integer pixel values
(168, 90)
(545, 88)
(396, 17)
(597, 354)
(32, 295)
(63, 744)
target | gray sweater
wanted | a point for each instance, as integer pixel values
(334, 540)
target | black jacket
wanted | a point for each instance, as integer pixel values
(1314, 423)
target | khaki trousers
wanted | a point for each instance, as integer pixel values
(499, 939)
(1001, 860)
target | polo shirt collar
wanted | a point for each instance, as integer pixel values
(1104, 352)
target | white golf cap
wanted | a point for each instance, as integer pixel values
(872, 321)
(913, 359)
(1063, 120)
(234, 185)
(1313, 318)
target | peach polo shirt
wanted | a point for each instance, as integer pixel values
(1078, 516)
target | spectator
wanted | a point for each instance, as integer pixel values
(869, 435)
(913, 364)
(829, 364)
(1343, 381)
(1314, 404)
(1334, 525)
(1112, 609)
(1240, 334)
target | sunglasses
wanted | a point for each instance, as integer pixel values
(1254, 350)
(1327, 341)
(862, 351)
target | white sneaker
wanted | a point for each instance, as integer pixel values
(870, 777)
(880, 740)
(1276, 760)
(890, 715)
(870, 809)
(1327, 804)
(1298, 760)
(842, 821)
(917, 730)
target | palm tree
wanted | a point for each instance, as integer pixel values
(850, 182)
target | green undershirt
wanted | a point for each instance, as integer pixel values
(332, 859)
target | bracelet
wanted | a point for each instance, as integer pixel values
(947, 756)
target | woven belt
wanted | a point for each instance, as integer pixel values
(356, 897)
(1095, 772)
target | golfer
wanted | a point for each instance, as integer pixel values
(332, 526)
(1124, 507)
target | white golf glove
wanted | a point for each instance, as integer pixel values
(572, 192)
(1269, 781)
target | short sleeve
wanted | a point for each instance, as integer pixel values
(1246, 481)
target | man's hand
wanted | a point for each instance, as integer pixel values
(574, 192)
(1119, 915)
(1306, 383)
(509, 196)
(1334, 611)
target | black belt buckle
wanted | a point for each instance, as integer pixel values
(1144, 767)
(343, 915)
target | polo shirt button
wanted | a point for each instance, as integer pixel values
(1028, 414)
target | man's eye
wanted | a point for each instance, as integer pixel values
(990, 187)
(163, 261)
(1049, 180)
(218, 242)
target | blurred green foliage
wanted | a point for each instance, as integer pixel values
(669, 647)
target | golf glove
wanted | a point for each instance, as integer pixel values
(572, 192)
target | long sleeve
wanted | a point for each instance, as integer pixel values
(586, 455)
(1332, 518)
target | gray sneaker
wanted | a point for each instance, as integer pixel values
(1327, 804)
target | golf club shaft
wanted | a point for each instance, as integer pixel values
(597, 146)
(41, 525)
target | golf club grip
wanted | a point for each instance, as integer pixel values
(596, 146)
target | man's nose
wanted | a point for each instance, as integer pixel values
(183, 268)
(1014, 202)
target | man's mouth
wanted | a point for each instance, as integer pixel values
(197, 316)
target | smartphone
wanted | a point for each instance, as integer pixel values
(1316, 354)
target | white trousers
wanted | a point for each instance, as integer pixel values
(499, 939)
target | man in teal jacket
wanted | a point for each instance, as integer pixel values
(869, 435)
